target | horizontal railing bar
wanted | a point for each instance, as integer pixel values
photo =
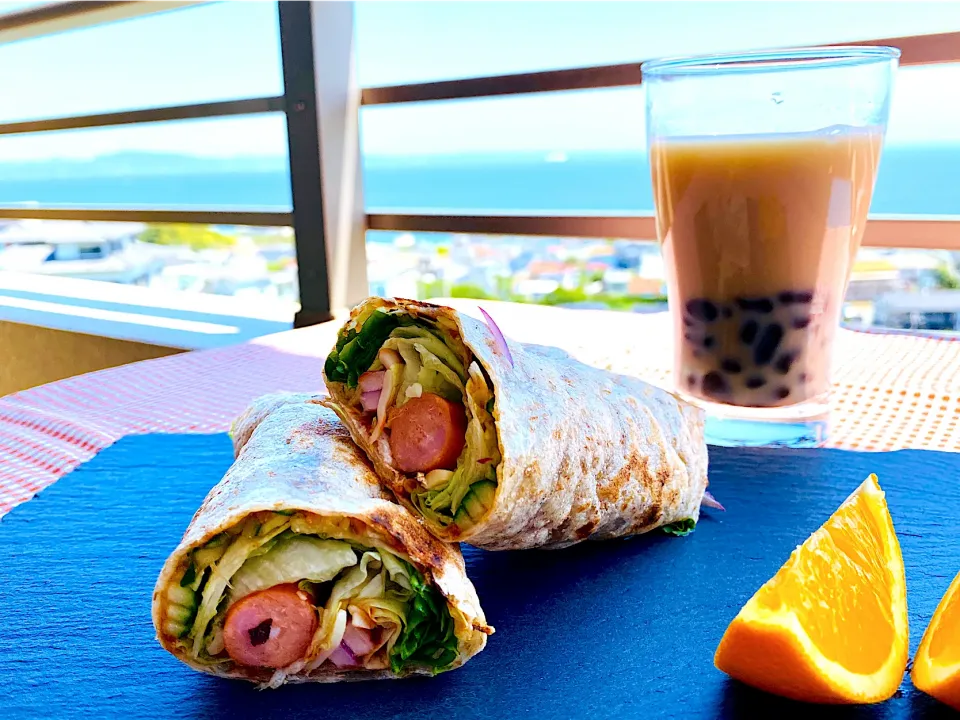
(55, 17)
(602, 76)
(223, 108)
(919, 232)
(628, 227)
(915, 49)
(138, 215)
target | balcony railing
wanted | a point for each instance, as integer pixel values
(310, 203)
(938, 232)
(298, 103)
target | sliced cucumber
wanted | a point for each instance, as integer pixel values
(211, 552)
(479, 500)
(181, 609)
(462, 517)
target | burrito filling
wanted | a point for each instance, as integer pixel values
(295, 592)
(427, 405)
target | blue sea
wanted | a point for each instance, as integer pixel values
(912, 180)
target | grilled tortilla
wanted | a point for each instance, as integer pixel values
(299, 557)
(505, 445)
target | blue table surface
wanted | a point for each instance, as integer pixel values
(618, 629)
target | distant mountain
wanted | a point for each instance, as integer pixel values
(138, 164)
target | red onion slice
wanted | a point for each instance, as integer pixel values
(711, 502)
(370, 400)
(497, 336)
(343, 656)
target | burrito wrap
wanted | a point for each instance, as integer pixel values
(295, 455)
(586, 454)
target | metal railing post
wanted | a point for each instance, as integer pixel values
(323, 105)
(306, 177)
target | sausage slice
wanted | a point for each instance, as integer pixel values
(427, 433)
(271, 628)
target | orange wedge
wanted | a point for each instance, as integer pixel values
(831, 625)
(936, 668)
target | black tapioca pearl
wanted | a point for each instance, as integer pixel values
(785, 362)
(691, 381)
(748, 332)
(803, 377)
(732, 366)
(701, 309)
(758, 305)
(791, 297)
(757, 381)
(783, 393)
(767, 344)
(801, 323)
(709, 341)
(715, 384)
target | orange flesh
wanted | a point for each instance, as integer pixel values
(831, 625)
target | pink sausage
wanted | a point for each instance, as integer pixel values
(271, 628)
(427, 433)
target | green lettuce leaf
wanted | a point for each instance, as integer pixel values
(292, 559)
(427, 639)
(357, 349)
(680, 527)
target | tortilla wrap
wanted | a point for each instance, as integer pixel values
(583, 453)
(295, 462)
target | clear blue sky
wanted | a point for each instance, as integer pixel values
(230, 50)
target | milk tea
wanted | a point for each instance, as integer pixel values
(760, 233)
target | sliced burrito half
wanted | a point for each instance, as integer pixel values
(299, 567)
(505, 445)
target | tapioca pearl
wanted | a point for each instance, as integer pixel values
(768, 344)
(782, 393)
(748, 332)
(757, 381)
(800, 323)
(792, 297)
(785, 362)
(714, 384)
(803, 377)
(691, 381)
(732, 366)
(709, 341)
(701, 309)
(758, 305)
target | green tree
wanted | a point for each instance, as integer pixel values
(196, 237)
(469, 290)
(561, 296)
(430, 289)
(946, 278)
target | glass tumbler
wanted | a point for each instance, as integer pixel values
(763, 167)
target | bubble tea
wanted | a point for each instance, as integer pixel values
(760, 223)
(762, 232)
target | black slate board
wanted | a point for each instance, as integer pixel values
(619, 629)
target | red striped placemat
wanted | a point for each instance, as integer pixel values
(891, 391)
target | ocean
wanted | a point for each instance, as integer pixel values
(912, 180)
